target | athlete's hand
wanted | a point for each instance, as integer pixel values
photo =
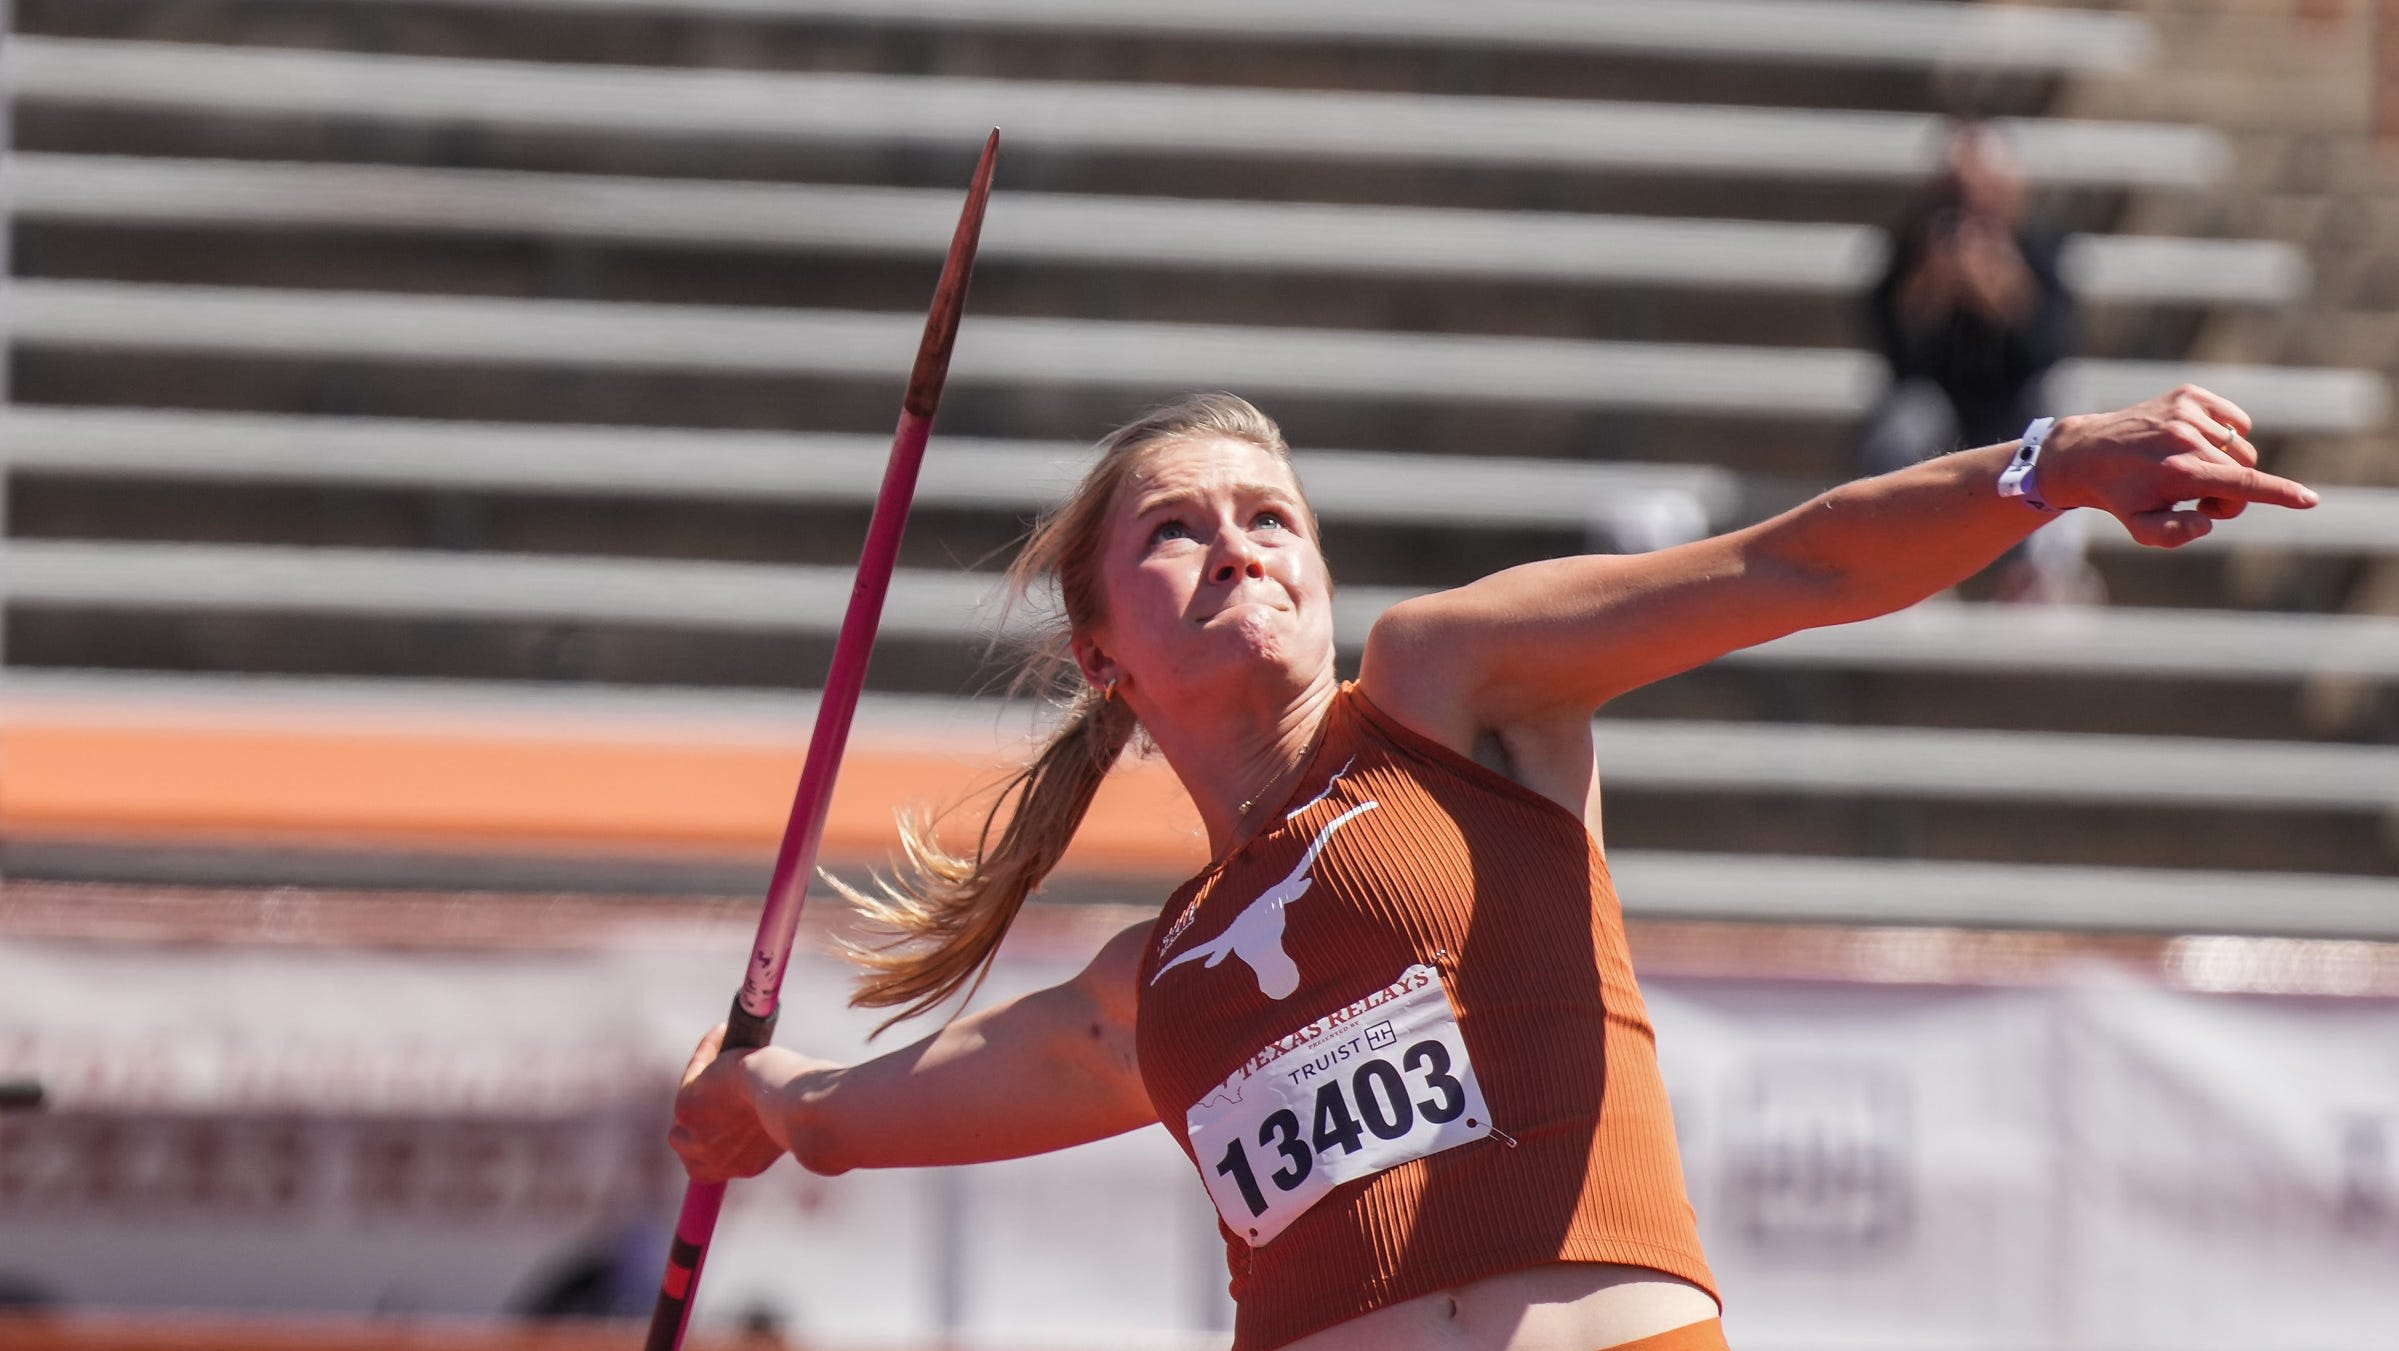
(719, 1129)
(2139, 464)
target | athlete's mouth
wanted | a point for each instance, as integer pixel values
(1274, 602)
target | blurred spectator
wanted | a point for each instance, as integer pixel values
(762, 1329)
(23, 1295)
(1971, 313)
(613, 1276)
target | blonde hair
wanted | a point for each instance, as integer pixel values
(943, 915)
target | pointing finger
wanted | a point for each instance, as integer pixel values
(2245, 484)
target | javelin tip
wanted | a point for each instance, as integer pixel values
(949, 298)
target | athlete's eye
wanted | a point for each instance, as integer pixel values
(1272, 519)
(1167, 529)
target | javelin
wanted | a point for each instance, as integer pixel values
(752, 1022)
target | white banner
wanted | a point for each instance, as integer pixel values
(2234, 1167)
(1872, 1165)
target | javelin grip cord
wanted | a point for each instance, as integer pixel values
(752, 1021)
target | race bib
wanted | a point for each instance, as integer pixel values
(1359, 1090)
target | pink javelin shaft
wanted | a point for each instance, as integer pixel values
(752, 1022)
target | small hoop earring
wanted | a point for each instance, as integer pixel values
(1108, 692)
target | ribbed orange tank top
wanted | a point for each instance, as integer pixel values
(1397, 853)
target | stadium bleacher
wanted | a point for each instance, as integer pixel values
(1841, 32)
(1687, 380)
(133, 445)
(1090, 118)
(352, 328)
(963, 607)
(1070, 230)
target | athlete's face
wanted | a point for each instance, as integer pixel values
(1211, 566)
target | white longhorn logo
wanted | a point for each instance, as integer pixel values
(1256, 934)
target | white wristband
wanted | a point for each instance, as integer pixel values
(2017, 479)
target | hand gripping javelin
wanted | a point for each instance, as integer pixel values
(752, 1022)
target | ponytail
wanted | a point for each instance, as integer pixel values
(944, 921)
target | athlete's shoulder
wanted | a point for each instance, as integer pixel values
(1409, 679)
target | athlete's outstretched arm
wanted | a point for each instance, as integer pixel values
(1043, 1071)
(1556, 639)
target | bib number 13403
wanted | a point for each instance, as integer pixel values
(1363, 1089)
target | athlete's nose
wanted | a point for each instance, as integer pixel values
(1243, 563)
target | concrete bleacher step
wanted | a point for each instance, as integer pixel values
(1147, 360)
(1390, 518)
(196, 78)
(1015, 478)
(1838, 33)
(962, 607)
(513, 616)
(1047, 120)
(437, 207)
(643, 768)
(1871, 53)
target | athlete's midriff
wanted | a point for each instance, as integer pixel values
(1399, 1035)
(1561, 1307)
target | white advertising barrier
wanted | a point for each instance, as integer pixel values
(2233, 1169)
(315, 1128)
(336, 1130)
(2082, 1167)
(1873, 1166)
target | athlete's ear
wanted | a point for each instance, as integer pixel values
(1095, 664)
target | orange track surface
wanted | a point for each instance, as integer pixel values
(476, 786)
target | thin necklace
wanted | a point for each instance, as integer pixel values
(1260, 796)
(1243, 831)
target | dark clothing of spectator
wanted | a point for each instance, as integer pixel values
(1987, 369)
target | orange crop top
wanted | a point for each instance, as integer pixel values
(1398, 1034)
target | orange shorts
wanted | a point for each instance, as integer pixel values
(1705, 1336)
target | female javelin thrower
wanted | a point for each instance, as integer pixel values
(1393, 1023)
